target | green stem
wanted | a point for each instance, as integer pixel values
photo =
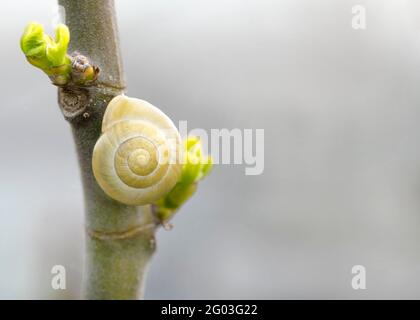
(119, 238)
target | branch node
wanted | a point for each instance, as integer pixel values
(122, 235)
(73, 101)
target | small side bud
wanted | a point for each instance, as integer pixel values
(196, 167)
(48, 54)
(83, 72)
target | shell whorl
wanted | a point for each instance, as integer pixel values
(136, 160)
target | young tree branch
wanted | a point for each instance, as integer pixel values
(119, 238)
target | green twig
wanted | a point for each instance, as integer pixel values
(120, 238)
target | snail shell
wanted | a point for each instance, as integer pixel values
(136, 160)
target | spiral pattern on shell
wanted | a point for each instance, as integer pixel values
(136, 160)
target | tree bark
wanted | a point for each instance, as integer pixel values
(119, 238)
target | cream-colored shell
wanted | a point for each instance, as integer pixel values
(136, 160)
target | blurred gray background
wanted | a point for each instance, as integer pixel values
(341, 113)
